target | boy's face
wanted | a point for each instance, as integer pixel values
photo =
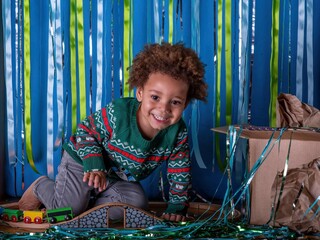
(163, 100)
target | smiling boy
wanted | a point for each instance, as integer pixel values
(124, 142)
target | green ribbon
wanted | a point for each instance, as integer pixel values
(27, 88)
(127, 45)
(224, 29)
(73, 67)
(221, 165)
(228, 56)
(81, 61)
(170, 37)
(274, 62)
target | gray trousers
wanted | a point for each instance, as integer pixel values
(68, 190)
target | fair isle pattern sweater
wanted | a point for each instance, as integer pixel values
(113, 131)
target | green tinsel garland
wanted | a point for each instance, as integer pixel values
(184, 231)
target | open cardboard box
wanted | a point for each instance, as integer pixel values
(305, 146)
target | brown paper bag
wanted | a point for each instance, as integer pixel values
(300, 190)
(291, 112)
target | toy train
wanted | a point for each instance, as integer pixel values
(50, 216)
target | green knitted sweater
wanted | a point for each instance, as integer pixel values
(110, 137)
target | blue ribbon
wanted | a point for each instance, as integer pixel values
(156, 19)
(194, 133)
(243, 63)
(309, 40)
(6, 8)
(195, 44)
(300, 47)
(50, 88)
(60, 92)
(99, 56)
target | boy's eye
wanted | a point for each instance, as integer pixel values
(154, 97)
(175, 102)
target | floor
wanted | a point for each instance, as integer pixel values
(156, 207)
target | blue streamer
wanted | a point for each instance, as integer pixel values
(310, 50)
(99, 64)
(55, 114)
(156, 20)
(243, 189)
(195, 44)
(108, 51)
(314, 204)
(300, 48)
(18, 170)
(244, 79)
(289, 42)
(231, 141)
(50, 88)
(59, 75)
(117, 51)
(243, 62)
(194, 133)
(6, 8)
(195, 25)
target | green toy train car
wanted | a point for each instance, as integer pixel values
(60, 214)
(13, 215)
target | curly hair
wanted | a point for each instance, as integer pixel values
(175, 60)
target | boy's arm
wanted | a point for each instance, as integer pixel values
(179, 176)
(87, 144)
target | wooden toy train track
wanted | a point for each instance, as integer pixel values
(133, 218)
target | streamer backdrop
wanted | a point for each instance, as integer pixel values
(66, 59)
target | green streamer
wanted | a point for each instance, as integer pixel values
(219, 57)
(27, 89)
(127, 45)
(170, 37)
(221, 165)
(274, 62)
(228, 54)
(73, 66)
(81, 61)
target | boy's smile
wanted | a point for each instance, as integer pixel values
(163, 100)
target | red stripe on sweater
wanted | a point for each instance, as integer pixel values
(106, 121)
(180, 194)
(183, 141)
(93, 155)
(133, 157)
(178, 170)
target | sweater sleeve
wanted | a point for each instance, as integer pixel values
(179, 176)
(87, 144)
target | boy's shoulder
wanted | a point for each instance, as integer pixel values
(124, 102)
(123, 107)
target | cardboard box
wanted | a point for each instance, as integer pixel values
(305, 146)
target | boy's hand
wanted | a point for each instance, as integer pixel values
(97, 179)
(173, 217)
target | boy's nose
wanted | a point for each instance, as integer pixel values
(164, 107)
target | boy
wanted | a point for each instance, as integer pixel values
(121, 144)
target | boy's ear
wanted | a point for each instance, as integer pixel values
(139, 93)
